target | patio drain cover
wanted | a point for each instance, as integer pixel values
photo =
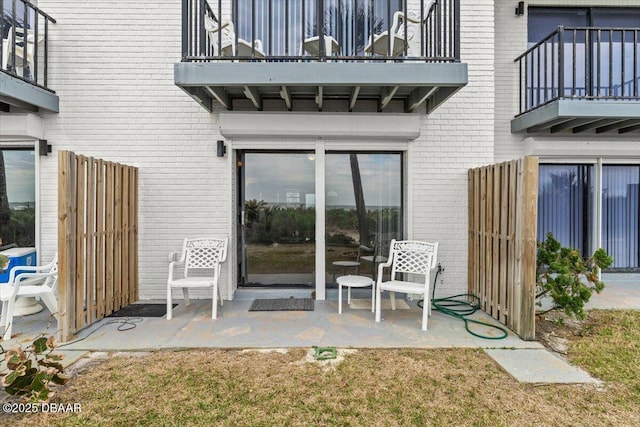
(325, 353)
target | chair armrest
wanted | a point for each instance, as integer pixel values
(26, 269)
(26, 276)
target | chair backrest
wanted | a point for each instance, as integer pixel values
(412, 256)
(227, 34)
(203, 253)
(52, 281)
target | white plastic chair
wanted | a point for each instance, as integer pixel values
(20, 50)
(380, 44)
(228, 40)
(413, 258)
(32, 281)
(311, 45)
(199, 257)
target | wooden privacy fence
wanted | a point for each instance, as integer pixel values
(97, 240)
(503, 200)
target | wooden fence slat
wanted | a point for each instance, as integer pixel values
(125, 238)
(64, 243)
(90, 242)
(80, 242)
(504, 232)
(529, 235)
(495, 236)
(97, 240)
(483, 242)
(100, 240)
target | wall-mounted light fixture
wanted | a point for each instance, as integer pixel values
(520, 8)
(222, 149)
(44, 148)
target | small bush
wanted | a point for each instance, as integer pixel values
(568, 278)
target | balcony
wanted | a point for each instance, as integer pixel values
(321, 55)
(579, 80)
(24, 58)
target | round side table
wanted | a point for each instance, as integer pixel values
(355, 282)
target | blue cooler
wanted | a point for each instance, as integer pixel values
(17, 257)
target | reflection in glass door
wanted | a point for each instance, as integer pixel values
(277, 196)
(363, 210)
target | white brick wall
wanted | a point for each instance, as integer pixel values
(112, 66)
(456, 137)
(510, 42)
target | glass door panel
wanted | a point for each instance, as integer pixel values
(17, 198)
(565, 197)
(278, 231)
(621, 214)
(363, 210)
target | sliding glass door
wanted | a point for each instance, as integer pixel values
(363, 210)
(277, 194)
(566, 207)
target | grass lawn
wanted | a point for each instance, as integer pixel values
(370, 387)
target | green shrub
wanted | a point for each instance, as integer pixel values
(32, 370)
(566, 277)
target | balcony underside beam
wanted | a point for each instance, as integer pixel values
(392, 87)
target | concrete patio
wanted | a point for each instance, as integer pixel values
(238, 328)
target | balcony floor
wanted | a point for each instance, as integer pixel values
(329, 86)
(581, 115)
(24, 95)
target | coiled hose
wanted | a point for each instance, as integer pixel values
(460, 306)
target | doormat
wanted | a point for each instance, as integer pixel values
(142, 310)
(282, 304)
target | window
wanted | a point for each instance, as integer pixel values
(17, 197)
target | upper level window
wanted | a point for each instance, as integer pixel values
(597, 54)
(543, 20)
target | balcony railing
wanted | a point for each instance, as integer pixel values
(290, 30)
(580, 63)
(25, 41)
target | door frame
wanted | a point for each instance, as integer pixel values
(320, 147)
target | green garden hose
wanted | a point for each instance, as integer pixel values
(459, 306)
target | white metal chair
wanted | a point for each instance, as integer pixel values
(227, 40)
(201, 258)
(409, 257)
(31, 281)
(379, 44)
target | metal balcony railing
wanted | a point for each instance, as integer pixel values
(580, 63)
(290, 30)
(25, 41)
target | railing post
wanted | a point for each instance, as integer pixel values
(456, 48)
(560, 62)
(2, 26)
(201, 34)
(185, 29)
(320, 24)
